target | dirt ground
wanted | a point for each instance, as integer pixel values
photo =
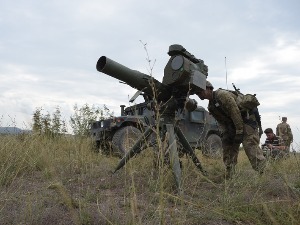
(135, 196)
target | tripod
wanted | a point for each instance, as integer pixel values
(168, 128)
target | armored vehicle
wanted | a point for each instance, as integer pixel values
(117, 135)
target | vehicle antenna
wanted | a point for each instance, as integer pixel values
(226, 72)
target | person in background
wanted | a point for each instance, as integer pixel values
(283, 130)
(275, 144)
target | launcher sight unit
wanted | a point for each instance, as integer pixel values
(185, 71)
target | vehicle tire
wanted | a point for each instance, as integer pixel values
(124, 139)
(213, 146)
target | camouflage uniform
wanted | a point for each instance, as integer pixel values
(284, 131)
(224, 108)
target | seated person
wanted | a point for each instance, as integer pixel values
(274, 144)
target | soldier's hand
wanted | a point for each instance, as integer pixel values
(238, 139)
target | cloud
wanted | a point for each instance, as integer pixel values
(49, 50)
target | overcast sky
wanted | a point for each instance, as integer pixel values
(49, 51)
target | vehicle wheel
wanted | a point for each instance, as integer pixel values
(124, 139)
(213, 146)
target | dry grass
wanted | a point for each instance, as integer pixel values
(62, 181)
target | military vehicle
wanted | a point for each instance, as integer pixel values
(117, 135)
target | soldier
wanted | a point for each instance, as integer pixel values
(283, 130)
(237, 128)
(275, 144)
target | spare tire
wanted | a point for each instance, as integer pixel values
(124, 139)
(213, 146)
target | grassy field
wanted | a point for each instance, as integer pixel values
(62, 181)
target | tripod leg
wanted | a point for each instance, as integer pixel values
(174, 158)
(135, 149)
(189, 150)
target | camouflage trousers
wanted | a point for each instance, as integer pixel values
(287, 143)
(251, 147)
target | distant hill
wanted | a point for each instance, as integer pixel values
(12, 130)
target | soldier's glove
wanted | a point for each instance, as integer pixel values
(238, 138)
(260, 132)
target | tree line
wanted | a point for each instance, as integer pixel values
(53, 124)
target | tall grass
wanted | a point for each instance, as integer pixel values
(62, 181)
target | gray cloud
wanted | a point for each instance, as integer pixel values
(49, 50)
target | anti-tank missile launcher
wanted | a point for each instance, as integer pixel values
(183, 74)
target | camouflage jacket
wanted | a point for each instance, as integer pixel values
(225, 110)
(284, 131)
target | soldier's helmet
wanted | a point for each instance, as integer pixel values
(209, 85)
(284, 118)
